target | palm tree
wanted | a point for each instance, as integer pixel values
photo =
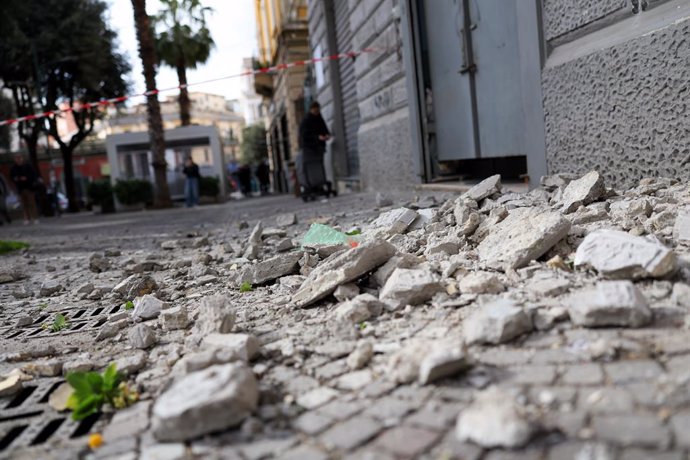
(184, 43)
(147, 53)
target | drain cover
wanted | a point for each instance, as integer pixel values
(27, 420)
(80, 320)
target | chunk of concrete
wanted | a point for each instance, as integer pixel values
(497, 322)
(244, 346)
(346, 292)
(215, 315)
(136, 286)
(203, 402)
(174, 318)
(271, 269)
(524, 235)
(141, 336)
(494, 420)
(359, 309)
(50, 288)
(11, 385)
(286, 220)
(360, 356)
(484, 189)
(410, 287)
(342, 268)
(400, 261)
(681, 229)
(445, 359)
(394, 222)
(481, 283)
(619, 255)
(585, 190)
(610, 303)
(148, 307)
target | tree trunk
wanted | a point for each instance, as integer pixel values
(185, 104)
(68, 169)
(148, 60)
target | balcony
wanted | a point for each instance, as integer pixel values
(263, 84)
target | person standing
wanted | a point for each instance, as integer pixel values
(313, 133)
(263, 175)
(25, 179)
(191, 185)
(4, 193)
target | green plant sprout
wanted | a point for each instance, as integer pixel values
(246, 287)
(58, 324)
(129, 305)
(92, 390)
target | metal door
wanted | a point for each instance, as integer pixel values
(474, 98)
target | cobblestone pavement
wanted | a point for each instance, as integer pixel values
(354, 388)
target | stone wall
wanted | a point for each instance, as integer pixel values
(620, 108)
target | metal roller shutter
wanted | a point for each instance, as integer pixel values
(348, 84)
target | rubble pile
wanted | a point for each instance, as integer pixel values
(480, 302)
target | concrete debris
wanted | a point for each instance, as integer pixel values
(243, 346)
(50, 288)
(610, 303)
(400, 261)
(486, 188)
(445, 359)
(46, 368)
(141, 336)
(481, 283)
(403, 365)
(410, 287)
(359, 309)
(130, 364)
(11, 385)
(148, 307)
(174, 318)
(587, 189)
(681, 229)
(361, 355)
(342, 268)
(619, 255)
(497, 322)
(213, 399)
(286, 220)
(215, 315)
(98, 263)
(494, 420)
(58, 398)
(630, 209)
(136, 286)
(394, 222)
(383, 200)
(463, 209)
(549, 287)
(346, 292)
(271, 269)
(681, 295)
(524, 235)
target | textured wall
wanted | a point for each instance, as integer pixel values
(622, 110)
(562, 16)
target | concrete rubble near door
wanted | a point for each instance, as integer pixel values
(482, 324)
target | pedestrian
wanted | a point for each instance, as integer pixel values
(191, 184)
(244, 175)
(313, 132)
(263, 174)
(4, 193)
(25, 180)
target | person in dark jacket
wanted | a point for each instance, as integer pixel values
(263, 175)
(313, 132)
(4, 193)
(191, 184)
(25, 180)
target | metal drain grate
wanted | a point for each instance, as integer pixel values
(83, 319)
(27, 420)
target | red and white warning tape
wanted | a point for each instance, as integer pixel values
(120, 99)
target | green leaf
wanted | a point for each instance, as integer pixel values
(79, 382)
(246, 287)
(87, 406)
(129, 305)
(59, 323)
(353, 233)
(111, 378)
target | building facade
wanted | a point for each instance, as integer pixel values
(283, 36)
(458, 88)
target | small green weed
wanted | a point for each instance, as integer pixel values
(92, 390)
(246, 287)
(58, 324)
(9, 246)
(129, 305)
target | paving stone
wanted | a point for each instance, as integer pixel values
(531, 375)
(617, 254)
(568, 423)
(342, 269)
(526, 234)
(410, 287)
(361, 355)
(583, 374)
(390, 408)
(317, 397)
(504, 356)
(406, 441)
(168, 451)
(628, 430)
(642, 454)
(606, 400)
(312, 423)
(216, 398)
(610, 303)
(351, 433)
(354, 380)
(582, 191)
(268, 448)
(445, 359)
(303, 453)
(494, 420)
(497, 322)
(129, 422)
(340, 409)
(582, 451)
(435, 415)
(631, 371)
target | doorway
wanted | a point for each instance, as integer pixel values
(477, 80)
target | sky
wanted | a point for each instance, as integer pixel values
(233, 28)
